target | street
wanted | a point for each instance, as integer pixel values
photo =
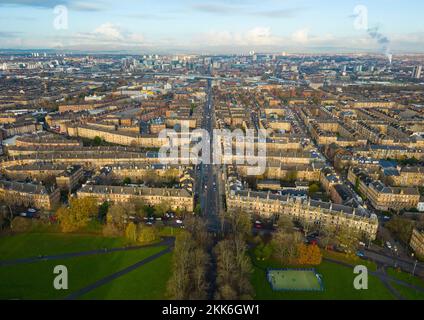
(209, 179)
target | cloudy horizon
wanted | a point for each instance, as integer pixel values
(223, 26)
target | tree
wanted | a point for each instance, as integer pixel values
(316, 255)
(348, 239)
(78, 214)
(328, 233)
(147, 235)
(307, 226)
(12, 202)
(2, 219)
(127, 181)
(131, 232)
(190, 261)
(199, 284)
(292, 175)
(286, 246)
(103, 209)
(234, 269)
(140, 209)
(198, 229)
(198, 209)
(309, 255)
(97, 141)
(239, 223)
(226, 268)
(314, 188)
(263, 251)
(161, 209)
(179, 283)
(285, 224)
(401, 228)
(20, 224)
(117, 216)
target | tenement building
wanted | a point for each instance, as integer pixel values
(417, 242)
(317, 212)
(176, 198)
(27, 194)
(382, 197)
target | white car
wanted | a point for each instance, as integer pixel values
(179, 222)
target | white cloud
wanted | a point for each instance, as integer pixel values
(260, 36)
(108, 34)
(257, 36)
(109, 31)
(301, 36)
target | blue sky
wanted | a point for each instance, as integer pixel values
(213, 26)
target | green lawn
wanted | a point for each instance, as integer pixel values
(407, 277)
(35, 280)
(337, 280)
(407, 293)
(170, 231)
(146, 283)
(34, 244)
(352, 260)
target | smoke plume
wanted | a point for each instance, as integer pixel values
(382, 40)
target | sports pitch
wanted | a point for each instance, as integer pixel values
(295, 280)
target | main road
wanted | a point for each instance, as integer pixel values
(209, 173)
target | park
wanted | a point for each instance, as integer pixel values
(28, 260)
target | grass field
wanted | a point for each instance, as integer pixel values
(294, 280)
(407, 277)
(338, 283)
(146, 283)
(35, 280)
(35, 244)
(408, 293)
(353, 260)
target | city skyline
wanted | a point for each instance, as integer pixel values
(207, 157)
(213, 26)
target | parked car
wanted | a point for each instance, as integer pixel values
(360, 254)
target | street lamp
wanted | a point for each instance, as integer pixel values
(415, 265)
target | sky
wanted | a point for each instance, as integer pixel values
(214, 26)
